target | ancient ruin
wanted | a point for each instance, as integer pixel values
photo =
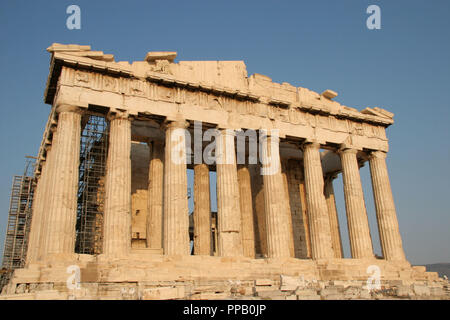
(109, 212)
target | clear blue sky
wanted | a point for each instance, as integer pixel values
(404, 67)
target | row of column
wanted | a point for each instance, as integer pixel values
(321, 206)
(357, 221)
(55, 207)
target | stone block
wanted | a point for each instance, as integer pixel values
(432, 275)
(352, 293)
(309, 297)
(305, 292)
(330, 291)
(264, 288)
(209, 296)
(272, 295)
(244, 290)
(263, 282)
(404, 291)
(419, 268)
(269, 293)
(341, 283)
(211, 288)
(163, 293)
(337, 296)
(21, 288)
(50, 295)
(365, 294)
(437, 291)
(23, 296)
(395, 282)
(291, 281)
(405, 275)
(288, 287)
(421, 290)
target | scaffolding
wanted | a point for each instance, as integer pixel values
(19, 221)
(91, 193)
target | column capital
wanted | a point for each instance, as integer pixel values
(176, 124)
(114, 115)
(347, 150)
(67, 108)
(226, 131)
(270, 138)
(311, 144)
(378, 154)
(270, 132)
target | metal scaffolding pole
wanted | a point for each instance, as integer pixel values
(19, 221)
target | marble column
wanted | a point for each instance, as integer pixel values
(358, 224)
(37, 212)
(176, 214)
(390, 238)
(117, 216)
(319, 224)
(155, 195)
(259, 220)
(304, 202)
(275, 199)
(246, 205)
(62, 203)
(202, 211)
(33, 238)
(46, 194)
(228, 203)
(297, 204)
(336, 242)
(290, 211)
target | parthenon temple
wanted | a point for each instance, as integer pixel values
(111, 188)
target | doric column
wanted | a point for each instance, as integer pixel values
(257, 187)
(390, 238)
(275, 198)
(319, 224)
(202, 211)
(33, 238)
(176, 214)
(246, 201)
(37, 213)
(117, 220)
(46, 194)
(304, 203)
(336, 242)
(228, 203)
(290, 211)
(358, 224)
(155, 195)
(62, 208)
(297, 204)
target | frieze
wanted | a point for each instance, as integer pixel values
(237, 102)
